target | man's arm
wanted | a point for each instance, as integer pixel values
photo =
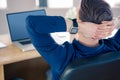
(117, 36)
(39, 28)
(116, 40)
(47, 24)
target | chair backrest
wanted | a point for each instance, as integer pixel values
(101, 67)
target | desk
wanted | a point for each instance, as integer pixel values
(13, 54)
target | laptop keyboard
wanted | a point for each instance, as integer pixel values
(25, 42)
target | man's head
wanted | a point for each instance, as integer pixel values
(94, 11)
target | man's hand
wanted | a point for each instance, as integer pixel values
(103, 30)
(96, 31)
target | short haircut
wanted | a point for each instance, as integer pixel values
(95, 11)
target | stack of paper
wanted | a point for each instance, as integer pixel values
(2, 45)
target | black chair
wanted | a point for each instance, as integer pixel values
(101, 67)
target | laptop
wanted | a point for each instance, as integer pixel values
(17, 27)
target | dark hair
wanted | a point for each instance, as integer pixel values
(95, 11)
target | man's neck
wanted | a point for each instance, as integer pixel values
(88, 41)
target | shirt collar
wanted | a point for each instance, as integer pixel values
(87, 49)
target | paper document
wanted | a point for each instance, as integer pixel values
(2, 45)
(61, 37)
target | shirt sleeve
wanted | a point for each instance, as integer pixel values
(117, 36)
(39, 28)
(47, 24)
(116, 39)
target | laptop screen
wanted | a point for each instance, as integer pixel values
(17, 23)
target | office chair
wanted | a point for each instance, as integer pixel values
(101, 67)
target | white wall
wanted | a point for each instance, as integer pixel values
(14, 6)
(23, 5)
(3, 26)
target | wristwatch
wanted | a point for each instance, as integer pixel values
(74, 27)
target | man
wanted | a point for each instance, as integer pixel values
(59, 56)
